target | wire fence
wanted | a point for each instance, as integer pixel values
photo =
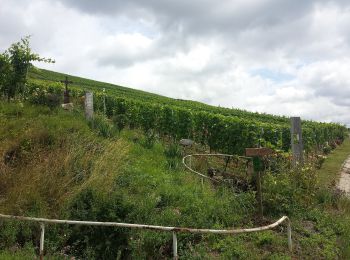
(174, 230)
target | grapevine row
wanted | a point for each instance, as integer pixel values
(220, 132)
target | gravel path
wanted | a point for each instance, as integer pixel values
(344, 181)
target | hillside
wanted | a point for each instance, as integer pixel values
(221, 129)
(51, 76)
(55, 164)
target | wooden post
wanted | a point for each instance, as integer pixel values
(257, 154)
(257, 164)
(296, 140)
(89, 105)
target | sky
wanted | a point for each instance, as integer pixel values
(283, 57)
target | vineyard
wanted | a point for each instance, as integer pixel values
(221, 129)
(124, 166)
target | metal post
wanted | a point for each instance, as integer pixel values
(42, 235)
(175, 246)
(289, 234)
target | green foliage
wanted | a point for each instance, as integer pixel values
(327, 148)
(14, 65)
(68, 171)
(5, 73)
(104, 127)
(173, 155)
(44, 97)
(289, 191)
(149, 139)
(98, 242)
(221, 132)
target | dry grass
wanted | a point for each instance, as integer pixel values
(107, 167)
(46, 160)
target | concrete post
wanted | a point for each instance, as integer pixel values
(296, 140)
(89, 105)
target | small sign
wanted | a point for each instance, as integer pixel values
(260, 152)
(89, 105)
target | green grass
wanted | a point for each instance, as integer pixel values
(328, 175)
(64, 168)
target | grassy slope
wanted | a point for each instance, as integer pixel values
(64, 169)
(58, 159)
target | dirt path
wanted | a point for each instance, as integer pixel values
(344, 181)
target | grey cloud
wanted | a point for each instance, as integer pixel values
(205, 16)
(243, 35)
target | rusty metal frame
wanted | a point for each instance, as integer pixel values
(189, 167)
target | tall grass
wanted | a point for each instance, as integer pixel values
(53, 164)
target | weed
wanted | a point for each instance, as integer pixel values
(104, 127)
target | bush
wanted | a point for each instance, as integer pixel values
(43, 97)
(319, 161)
(103, 126)
(94, 241)
(173, 155)
(150, 139)
(120, 121)
(327, 149)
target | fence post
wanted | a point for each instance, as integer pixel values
(104, 102)
(257, 169)
(175, 246)
(89, 105)
(296, 140)
(289, 234)
(42, 236)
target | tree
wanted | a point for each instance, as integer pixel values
(14, 65)
(5, 73)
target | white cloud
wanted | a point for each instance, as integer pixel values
(281, 57)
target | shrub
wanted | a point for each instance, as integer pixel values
(103, 126)
(150, 139)
(172, 153)
(120, 121)
(94, 241)
(327, 149)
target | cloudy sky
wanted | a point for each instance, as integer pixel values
(276, 56)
